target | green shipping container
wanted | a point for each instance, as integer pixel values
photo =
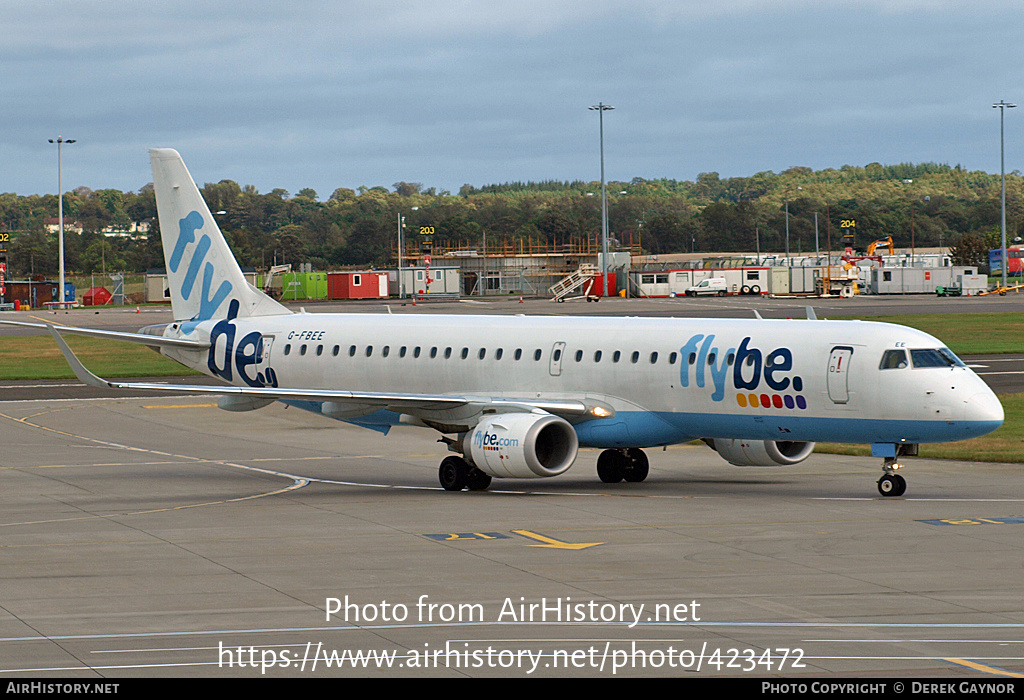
(303, 285)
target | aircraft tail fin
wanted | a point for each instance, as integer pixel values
(203, 276)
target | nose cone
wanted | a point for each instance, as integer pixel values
(983, 412)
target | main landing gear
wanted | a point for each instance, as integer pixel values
(456, 474)
(630, 465)
(891, 483)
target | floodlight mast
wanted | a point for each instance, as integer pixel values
(601, 108)
(60, 214)
(1002, 106)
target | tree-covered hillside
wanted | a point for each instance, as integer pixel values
(922, 205)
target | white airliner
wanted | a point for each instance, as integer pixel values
(516, 396)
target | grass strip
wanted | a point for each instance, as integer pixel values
(38, 357)
(965, 334)
(1005, 444)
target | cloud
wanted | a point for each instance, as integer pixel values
(326, 94)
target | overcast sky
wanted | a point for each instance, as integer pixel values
(323, 94)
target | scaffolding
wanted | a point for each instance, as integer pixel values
(523, 266)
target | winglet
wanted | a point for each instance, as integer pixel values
(84, 375)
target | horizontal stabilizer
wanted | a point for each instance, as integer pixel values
(153, 341)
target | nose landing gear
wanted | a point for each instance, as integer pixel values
(891, 483)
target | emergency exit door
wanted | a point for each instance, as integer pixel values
(839, 373)
(555, 367)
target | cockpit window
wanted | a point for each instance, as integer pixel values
(893, 359)
(940, 357)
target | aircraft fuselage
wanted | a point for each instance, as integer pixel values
(668, 380)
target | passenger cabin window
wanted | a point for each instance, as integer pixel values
(893, 359)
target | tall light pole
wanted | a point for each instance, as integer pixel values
(60, 213)
(817, 248)
(788, 261)
(401, 280)
(1002, 107)
(601, 108)
(787, 230)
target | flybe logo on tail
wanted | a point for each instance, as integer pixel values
(748, 371)
(208, 304)
(245, 354)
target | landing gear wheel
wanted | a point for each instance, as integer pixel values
(476, 480)
(892, 485)
(612, 466)
(453, 473)
(638, 466)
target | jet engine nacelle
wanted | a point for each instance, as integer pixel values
(761, 453)
(521, 445)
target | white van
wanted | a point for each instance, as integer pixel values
(712, 285)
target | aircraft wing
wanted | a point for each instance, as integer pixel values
(404, 402)
(155, 341)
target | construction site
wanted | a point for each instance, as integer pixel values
(578, 271)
